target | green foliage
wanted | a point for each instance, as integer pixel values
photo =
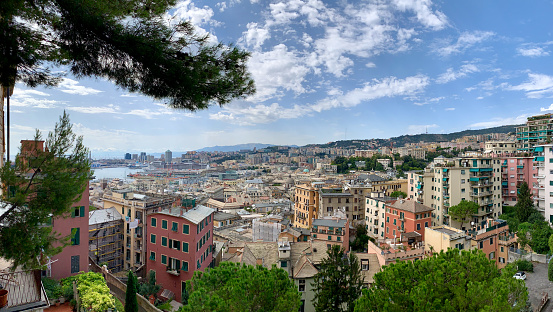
(131, 303)
(119, 306)
(398, 194)
(550, 244)
(43, 185)
(525, 205)
(94, 293)
(463, 211)
(550, 271)
(361, 239)
(130, 43)
(52, 287)
(338, 283)
(166, 306)
(233, 287)
(524, 265)
(149, 288)
(540, 233)
(448, 281)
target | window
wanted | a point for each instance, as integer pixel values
(176, 244)
(501, 248)
(163, 259)
(395, 221)
(164, 224)
(77, 212)
(462, 181)
(491, 240)
(164, 241)
(418, 226)
(301, 287)
(174, 226)
(185, 229)
(184, 246)
(425, 224)
(463, 171)
(76, 236)
(462, 190)
(154, 222)
(152, 238)
(75, 264)
(492, 255)
(184, 266)
(481, 245)
(152, 256)
(339, 238)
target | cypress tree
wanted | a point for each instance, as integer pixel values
(131, 303)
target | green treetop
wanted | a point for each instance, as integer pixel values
(338, 283)
(232, 287)
(127, 42)
(463, 211)
(42, 185)
(449, 281)
(525, 205)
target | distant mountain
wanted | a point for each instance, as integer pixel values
(426, 137)
(234, 148)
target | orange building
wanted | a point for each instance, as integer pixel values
(306, 199)
(494, 240)
(406, 216)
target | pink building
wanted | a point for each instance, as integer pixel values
(74, 257)
(514, 171)
(333, 231)
(179, 243)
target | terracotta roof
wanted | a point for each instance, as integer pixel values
(410, 205)
(304, 268)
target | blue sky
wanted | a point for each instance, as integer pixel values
(327, 71)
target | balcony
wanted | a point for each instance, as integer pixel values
(173, 271)
(484, 212)
(25, 291)
(481, 194)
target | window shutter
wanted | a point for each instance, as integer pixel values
(82, 211)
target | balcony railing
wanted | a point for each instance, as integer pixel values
(25, 291)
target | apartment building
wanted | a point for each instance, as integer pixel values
(537, 131)
(330, 203)
(375, 213)
(543, 161)
(389, 186)
(306, 202)
(360, 191)
(443, 237)
(74, 257)
(500, 148)
(406, 216)
(135, 208)
(514, 171)
(179, 243)
(476, 179)
(105, 238)
(494, 239)
(333, 231)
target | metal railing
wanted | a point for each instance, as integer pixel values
(25, 290)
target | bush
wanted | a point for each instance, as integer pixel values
(550, 271)
(52, 287)
(525, 265)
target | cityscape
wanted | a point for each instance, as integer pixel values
(404, 156)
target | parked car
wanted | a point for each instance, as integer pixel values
(520, 275)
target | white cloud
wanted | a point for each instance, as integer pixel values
(466, 40)
(533, 52)
(72, 87)
(276, 70)
(422, 8)
(540, 85)
(498, 121)
(258, 114)
(545, 109)
(451, 75)
(450, 109)
(186, 10)
(255, 36)
(417, 129)
(109, 109)
(429, 101)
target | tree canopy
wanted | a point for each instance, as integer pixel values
(398, 194)
(525, 205)
(131, 43)
(463, 211)
(338, 283)
(234, 287)
(449, 281)
(42, 185)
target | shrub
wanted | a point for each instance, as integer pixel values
(550, 271)
(525, 265)
(52, 287)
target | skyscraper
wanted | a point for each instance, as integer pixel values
(168, 156)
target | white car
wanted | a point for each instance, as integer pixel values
(520, 275)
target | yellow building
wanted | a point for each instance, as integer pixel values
(306, 202)
(134, 208)
(443, 237)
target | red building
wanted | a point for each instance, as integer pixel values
(74, 257)
(179, 243)
(406, 216)
(333, 231)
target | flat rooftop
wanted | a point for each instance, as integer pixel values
(447, 231)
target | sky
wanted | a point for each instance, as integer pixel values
(327, 71)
